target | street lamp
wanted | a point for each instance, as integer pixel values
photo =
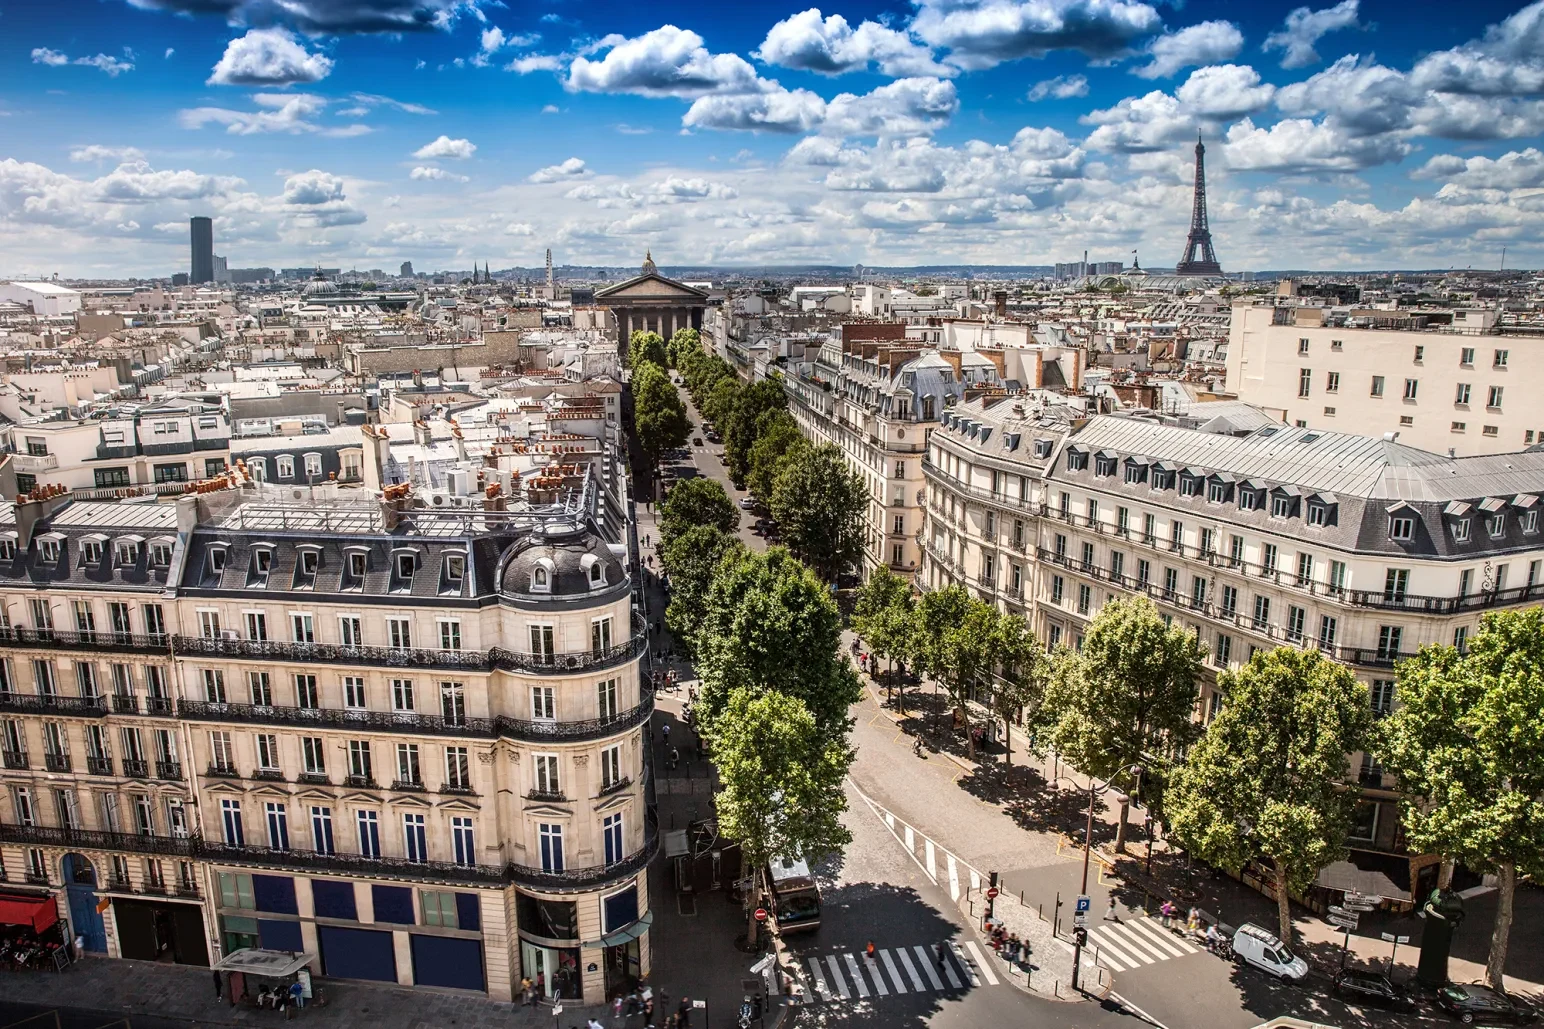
(1094, 790)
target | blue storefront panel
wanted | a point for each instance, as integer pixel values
(358, 953)
(447, 961)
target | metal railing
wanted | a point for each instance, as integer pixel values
(51, 703)
(95, 640)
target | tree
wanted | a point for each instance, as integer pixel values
(1267, 777)
(645, 348)
(682, 343)
(1025, 671)
(692, 558)
(882, 614)
(699, 501)
(768, 624)
(959, 641)
(819, 504)
(717, 403)
(1130, 693)
(780, 782)
(659, 417)
(1468, 748)
(740, 432)
(777, 438)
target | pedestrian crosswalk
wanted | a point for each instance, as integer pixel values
(917, 968)
(1122, 946)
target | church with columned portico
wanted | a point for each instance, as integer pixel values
(651, 302)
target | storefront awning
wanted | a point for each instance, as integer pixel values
(38, 912)
(628, 935)
(273, 963)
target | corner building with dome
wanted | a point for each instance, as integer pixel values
(406, 734)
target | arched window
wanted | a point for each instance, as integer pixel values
(286, 466)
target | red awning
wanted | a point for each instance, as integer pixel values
(38, 912)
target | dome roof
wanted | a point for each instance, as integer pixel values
(562, 565)
(319, 285)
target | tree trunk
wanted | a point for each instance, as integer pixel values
(1120, 827)
(970, 741)
(1008, 741)
(1495, 967)
(1283, 903)
(1444, 876)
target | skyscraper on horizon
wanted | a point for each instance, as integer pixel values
(201, 230)
(1199, 257)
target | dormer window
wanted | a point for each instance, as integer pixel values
(407, 564)
(1136, 473)
(160, 555)
(1248, 500)
(597, 574)
(1217, 492)
(262, 561)
(128, 555)
(356, 564)
(7, 548)
(455, 568)
(1461, 530)
(48, 551)
(1281, 507)
(1401, 528)
(1317, 514)
(90, 552)
(1077, 460)
(1189, 486)
(1104, 465)
(1496, 526)
(542, 576)
(284, 467)
(216, 560)
(310, 560)
(313, 465)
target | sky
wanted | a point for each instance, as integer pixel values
(1363, 134)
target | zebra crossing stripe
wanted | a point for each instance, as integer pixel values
(926, 961)
(959, 956)
(1136, 944)
(821, 988)
(873, 971)
(895, 977)
(975, 880)
(954, 877)
(1169, 938)
(1110, 953)
(911, 970)
(911, 839)
(982, 964)
(857, 977)
(1156, 933)
(954, 980)
(836, 977)
(889, 819)
(932, 864)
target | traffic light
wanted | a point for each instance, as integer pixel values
(1080, 936)
(991, 878)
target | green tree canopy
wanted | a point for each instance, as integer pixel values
(692, 558)
(961, 642)
(819, 504)
(740, 432)
(645, 347)
(681, 344)
(777, 438)
(1467, 743)
(718, 402)
(769, 624)
(659, 416)
(1131, 692)
(1267, 777)
(696, 501)
(1025, 670)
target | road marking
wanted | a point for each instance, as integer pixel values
(954, 876)
(890, 820)
(836, 977)
(821, 988)
(1136, 944)
(981, 962)
(932, 864)
(873, 971)
(926, 960)
(895, 977)
(911, 970)
(1167, 940)
(857, 977)
(1110, 954)
(954, 980)
(975, 880)
(911, 839)
(965, 966)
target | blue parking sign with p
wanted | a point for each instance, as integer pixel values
(1083, 903)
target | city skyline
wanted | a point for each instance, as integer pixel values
(1347, 135)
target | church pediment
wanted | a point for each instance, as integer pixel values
(649, 287)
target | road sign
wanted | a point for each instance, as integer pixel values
(1080, 918)
(1344, 921)
(764, 964)
(1391, 938)
(557, 1009)
(992, 892)
(699, 1003)
(1358, 905)
(1082, 903)
(761, 914)
(1345, 912)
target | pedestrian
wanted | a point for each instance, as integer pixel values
(1109, 912)
(665, 732)
(684, 1013)
(80, 946)
(525, 990)
(869, 950)
(941, 957)
(219, 985)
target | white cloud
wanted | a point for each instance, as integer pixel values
(279, 112)
(376, 99)
(985, 33)
(1142, 124)
(783, 111)
(438, 174)
(673, 189)
(550, 109)
(1062, 87)
(137, 182)
(519, 229)
(1224, 91)
(1301, 145)
(52, 58)
(830, 46)
(572, 168)
(112, 66)
(1304, 27)
(1207, 42)
(168, 55)
(268, 57)
(446, 148)
(1363, 97)
(95, 152)
(494, 39)
(1516, 169)
(538, 62)
(905, 107)
(312, 187)
(334, 17)
(1508, 60)
(666, 61)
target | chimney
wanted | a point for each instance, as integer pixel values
(33, 508)
(421, 432)
(1000, 299)
(460, 444)
(373, 467)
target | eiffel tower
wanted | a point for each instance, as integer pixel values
(1199, 258)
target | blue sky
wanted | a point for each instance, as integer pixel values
(1358, 134)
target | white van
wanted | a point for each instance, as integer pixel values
(1257, 947)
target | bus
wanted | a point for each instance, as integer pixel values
(795, 896)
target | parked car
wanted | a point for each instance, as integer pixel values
(696, 441)
(1475, 1003)
(1253, 945)
(747, 503)
(1360, 987)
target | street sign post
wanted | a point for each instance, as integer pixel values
(1396, 941)
(991, 893)
(1346, 921)
(761, 914)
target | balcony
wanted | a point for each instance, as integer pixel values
(222, 772)
(314, 779)
(616, 787)
(360, 781)
(458, 789)
(34, 463)
(409, 785)
(99, 764)
(56, 762)
(136, 768)
(51, 703)
(548, 796)
(268, 775)
(158, 706)
(102, 642)
(168, 770)
(125, 704)
(1396, 601)
(94, 839)
(413, 722)
(15, 759)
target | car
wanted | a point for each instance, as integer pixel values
(696, 441)
(712, 436)
(1473, 1002)
(1361, 987)
(1256, 946)
(747, 503)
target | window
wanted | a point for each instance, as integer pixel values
(313, 465)
(236, 890)
(1466, 356)
(1501, 358)
(1382, 692)
(48, 551)
(611, 834)
(1149, 528)
(1262, 612)
(453, 703)
(1281, 507)
(1395, 582)
(321, 830)
(106, 478)
(1085, 598)
(544, 769)
(230, 820)
(1465, 582)
(606, 696)
(1529, 522)
(399, 633)
(1337, 576)
(541, 642)
(1224, 650)
(1144, 572)
(214, 686)
(1458, 427)
(610, 767)
(1304, 569)
(267, 752)
(1189, 486)
(462, 841)
(277, 817)
(260, 688)
(1389, 639)
(1461, 394)
(450, 634)
(402, 695)
(1493, 399)
(1295, 619)
(1302, 346)
(458, 769)
(1420, 354)
(550, 838)
(1327, 627)
(369, 825)
(1332, 382)
(257, 625)
(313, 755)
(408, 773)
(359, 765)
(1248, 500)
(305, 692)
(407, 564)
(1170, 583)
(1304, 381)
(1217, 492)
(262, 561)
(1337, 345)
(1406, 420)
(128, 555)
(1411, 387)
(1197, 590)
(358, 561)
(455, 568)
(1122, 522)
(354, 692)
(1117, 567)
(1058, 588)
(1087, 564)
(1268, 555)
(1495, 525)
(600, 635)
(1490, 430)
(439, 908)
(222, 756)
(302, 628)
(350, 633)
(542, 704)
(1377, 385)
(171, 473)
(1230, 601)
(1401, 528)
(1461, 638)
(284, 466)
(1176, 535)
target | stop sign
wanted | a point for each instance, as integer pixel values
(991, 893)
(761, 914)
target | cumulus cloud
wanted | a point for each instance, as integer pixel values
(665, 62)
(268, 57)
(312, 187)
(1516, 169)
(674, 189)
(985, 33)
(316, 199)
(112, 66)
(1207, 42)
(1144, 124)
(1062, 87)
(519, 229)
(1301, 145)
(446, 148)
(905, 107)
(437, 174)
(494, 39)
(1224, 91)
(95, 152)
(52, 58)
(780, 111)
(572, 168)
(277, 112)
(138, 182)
(1304, 27)
(332, 17)
(1507, 61)
(830, 46)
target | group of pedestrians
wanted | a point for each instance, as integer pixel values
(1012, 949)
